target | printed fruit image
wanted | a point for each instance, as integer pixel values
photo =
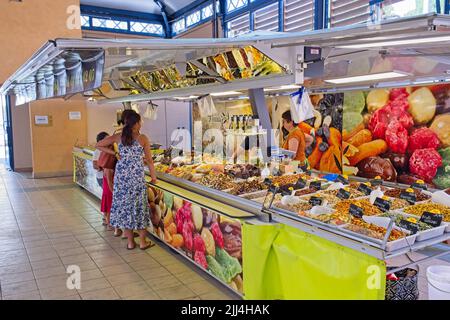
(422, 105)
(377, 99)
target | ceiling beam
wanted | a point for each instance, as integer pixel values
(167, 28)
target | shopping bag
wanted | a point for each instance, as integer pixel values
(301, 106)
(206, 106)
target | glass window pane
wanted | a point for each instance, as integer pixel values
(193, 18)
(99, 23)
(143, 27)
(207, 11)
(406, 8)
(178, 26)
(235, 4)
(85, 21)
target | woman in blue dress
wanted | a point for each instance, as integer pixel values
(130, 209)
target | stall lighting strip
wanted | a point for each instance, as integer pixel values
(368, 77)
(395, 43)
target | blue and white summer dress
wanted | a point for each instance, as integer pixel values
(130, 208)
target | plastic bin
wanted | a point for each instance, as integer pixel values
(438, 282)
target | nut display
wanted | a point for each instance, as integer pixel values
(355, 185)
(217, 181)
(397, 203)
(373, 231)
(288, 179)
(300, 206)
(242, 171)
(248, 186)
(420, 208)
(398, 217)
(343, 206)
(395, 193)
(332, 200)
(353, 193)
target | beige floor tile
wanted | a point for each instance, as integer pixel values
(45, 264)
(15, 268)
(14, 260)
(84, 265)
(103, 294)
(74, 297)
(217, 296)
(144, 265)
(107, 262)
(37, 237)
(124, 278)
(93, 285)
(32, 295)
(59, 292)
(66, 245)
(203, 287)
(132, 289)
(57, 281)
(18, 288)
(153, 272)
(149, 295)
(189, 276)
(42, 256)
(137, 255)
(70, 252)
(77, 259)
(116, 270)
(16, 277)
(38, 243)
(161, 282)
(91, 274)
(176, 293)
(59, 270)
(11, 247)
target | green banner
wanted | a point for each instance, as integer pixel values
(282, 262)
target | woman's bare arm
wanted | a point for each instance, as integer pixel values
(105, 144)
(293, 145)
(145, 142)
(308, 140)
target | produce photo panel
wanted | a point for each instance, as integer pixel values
(399, 134)
(212, 240)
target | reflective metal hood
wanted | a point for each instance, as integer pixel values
(417, 47)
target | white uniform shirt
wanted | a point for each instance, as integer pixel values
(95, 157)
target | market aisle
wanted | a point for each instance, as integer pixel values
(48, 224)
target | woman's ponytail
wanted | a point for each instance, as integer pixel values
(127, 132)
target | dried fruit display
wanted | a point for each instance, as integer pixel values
(373, 231)
(217, 181)
(420, 208)
(248, 186)
(242, 171)
(395, 193)
(343, 206)
(300, 206)
(424, 163)
(353, 193)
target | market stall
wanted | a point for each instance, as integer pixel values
(267, 229)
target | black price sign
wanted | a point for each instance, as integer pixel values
(342, 179)
(267, 181)
(343, 194)
(315, 185)
(356, 211)
(419, 185)
(300, 184)
(383, 205)
(315, 201)
(408, 225)
(376, 182)
(432, 219)
(409, 196)
(274, 189)
(364, 188)
(285, 190)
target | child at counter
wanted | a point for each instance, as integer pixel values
(99, 172)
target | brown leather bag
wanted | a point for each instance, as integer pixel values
(106, 161)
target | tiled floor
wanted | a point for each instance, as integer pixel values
(47, 225)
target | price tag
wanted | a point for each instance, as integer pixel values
(408, 195)
(267, 181)
(343, 193)
(286, 190)
(300, 184)
(315, 201)
(365, 188)
(432, 219)
(315, 185)
(419, 184)
(343, 179)
(377, 181)
(356, 211)
(382, 204)
(409, 225)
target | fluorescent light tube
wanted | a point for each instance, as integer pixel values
(225, 93)
(368, 77)
(286, 87)
(395, 43)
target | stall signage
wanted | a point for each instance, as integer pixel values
(365, 188)
(409, 225)
(315, 201)
(382, 204)
(41, 120)
(343, 193)
(300, 184)
(356, 211)
(315, 185)
(419, 184)
(408, 195)
(432, 219)
(343, 179)
(377, 181)
(74, 115)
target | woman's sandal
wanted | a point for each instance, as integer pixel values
(149, 245)
(118, 234)
(104, 222)
(135, 235)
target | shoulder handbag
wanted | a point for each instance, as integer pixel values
(106, 161)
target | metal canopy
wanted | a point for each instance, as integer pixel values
(418, 47)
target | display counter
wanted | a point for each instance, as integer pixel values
(244, 244)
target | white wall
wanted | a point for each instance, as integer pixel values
(21, 137)
(170, 115)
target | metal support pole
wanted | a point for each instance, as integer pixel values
(259, 107)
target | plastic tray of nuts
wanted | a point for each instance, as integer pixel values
(430, 207)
